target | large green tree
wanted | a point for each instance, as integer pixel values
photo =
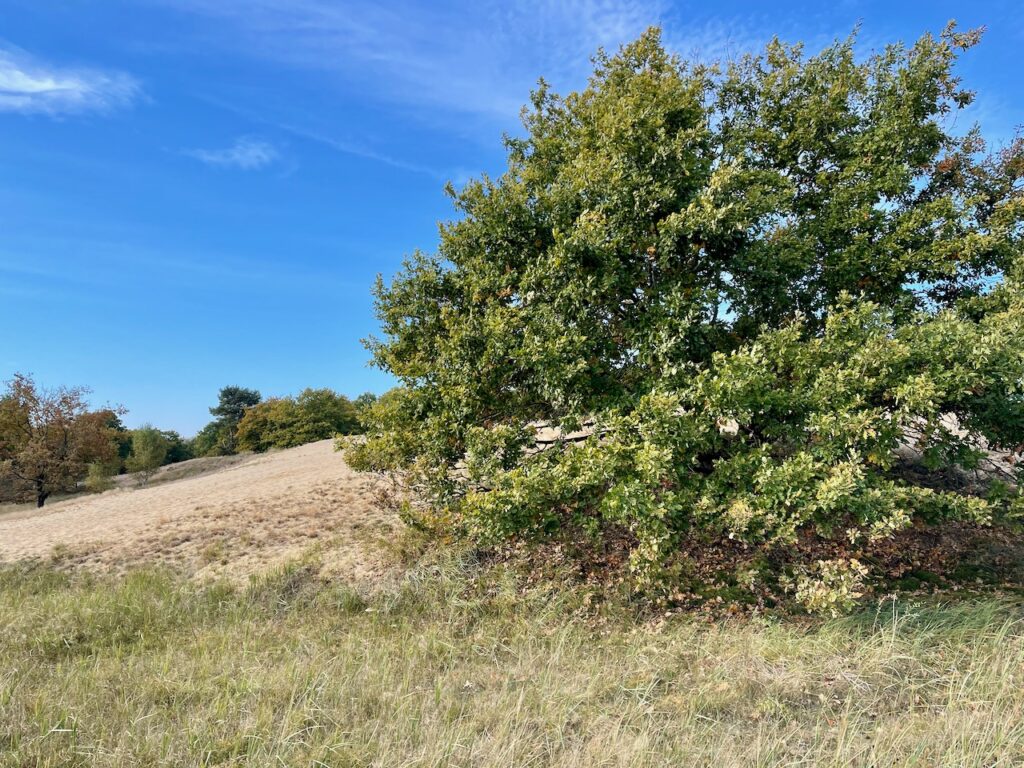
(754, 281)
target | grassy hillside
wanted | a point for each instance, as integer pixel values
(215, 517)
(460, 666)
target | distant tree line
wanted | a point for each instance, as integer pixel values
(244, 421)
(52, 442)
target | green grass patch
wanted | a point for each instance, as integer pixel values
(465, 666)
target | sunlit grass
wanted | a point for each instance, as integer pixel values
(459, 667)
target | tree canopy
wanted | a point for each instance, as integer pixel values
(285, 422)
(751, 281)
(219, 436)
(48, 438)
(150, 447)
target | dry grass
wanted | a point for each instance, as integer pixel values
(166, 474)
(457, 667)
(109, 659)
(229, 517)
(12, 510)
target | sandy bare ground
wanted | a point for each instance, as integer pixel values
(246, 517)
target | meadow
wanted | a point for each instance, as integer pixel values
(724, 357)
(458, 663)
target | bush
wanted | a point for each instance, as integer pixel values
(100, 476)
(832, 587)
(149, 452)
(363, 403)
(749, 284)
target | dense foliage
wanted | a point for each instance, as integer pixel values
(48, 439)
(285, 422)
(245, 422)
(149, 452)
(177, 447)
(209, 441)
(753, 284)
(219, 437)
(232, 403)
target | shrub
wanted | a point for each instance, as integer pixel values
(100, 476)
(750, 283)
(323, 413)
(363, 403)
(263, 424)
(149, 452)
(832, 587)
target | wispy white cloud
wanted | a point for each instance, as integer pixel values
(349, 147)
(31, 86)
(296, 126)
(247, 154)
(465, 68)
(478, 59)
(130, 261)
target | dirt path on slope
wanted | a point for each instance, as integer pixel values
(245, 518)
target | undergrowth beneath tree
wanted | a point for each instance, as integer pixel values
(721, 577)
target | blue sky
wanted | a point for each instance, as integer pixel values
(196, 193)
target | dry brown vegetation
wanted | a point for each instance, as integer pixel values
(457, 666)
(108, 661)
(229, 516)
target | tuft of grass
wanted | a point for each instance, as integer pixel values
(463, 666)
